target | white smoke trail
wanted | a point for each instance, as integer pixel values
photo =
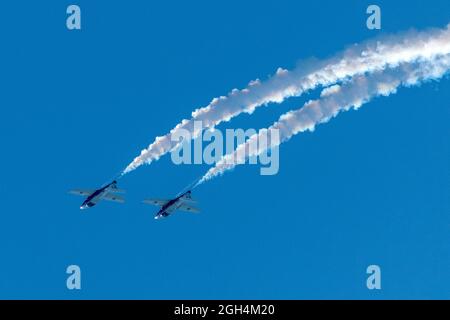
(370, 56)
(352, 94)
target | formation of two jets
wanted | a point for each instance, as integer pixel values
(110, 192)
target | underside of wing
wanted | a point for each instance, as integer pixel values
(113, 197)
(156, 202)
(82, 192)
(188, 208)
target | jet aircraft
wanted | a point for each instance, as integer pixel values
(183, 202)
(107, 192)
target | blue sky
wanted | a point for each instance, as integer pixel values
(370, 187)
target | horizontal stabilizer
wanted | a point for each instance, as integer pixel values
(82, 192)
(115, 190)
(156, 202)
(113, 197)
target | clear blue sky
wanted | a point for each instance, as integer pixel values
(370, 187)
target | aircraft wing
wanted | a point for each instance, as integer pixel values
(113, 197)
(188, 208)
(82, 192)
(156, 202)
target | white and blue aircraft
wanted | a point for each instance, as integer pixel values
(107, 192)
(183, 202)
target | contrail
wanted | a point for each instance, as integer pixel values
(351, 94)
(370, 56)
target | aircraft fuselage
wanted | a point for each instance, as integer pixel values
(171, 206)
(95, 197)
